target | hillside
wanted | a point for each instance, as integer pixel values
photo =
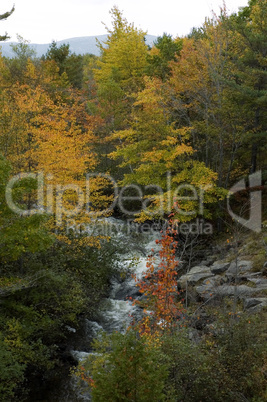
(133, 216)
(81, 45)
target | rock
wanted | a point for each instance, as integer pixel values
(209, 290)
(255, 304)
(194, 335)
(229, 290)
(79, 356)
(205, 291)
(219, 267)
(70, 329)
(92, 329)
(195, 275)
(255, 275)
(124, 292)
(260, 283)
(241, 270)
(208, 287)
(211, 259)
(204, 262)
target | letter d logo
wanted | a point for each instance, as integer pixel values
(254, 221)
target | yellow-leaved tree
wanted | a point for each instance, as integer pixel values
(119, 76)
(158, 154)
(52, 135)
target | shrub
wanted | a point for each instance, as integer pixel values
(124, 368)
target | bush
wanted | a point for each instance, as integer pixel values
(124, 368)
(11, 373)
(191, 376)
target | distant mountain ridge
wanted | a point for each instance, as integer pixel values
(80, 45)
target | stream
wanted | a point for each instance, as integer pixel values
(117, 311)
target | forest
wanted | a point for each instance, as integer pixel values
(147, 135)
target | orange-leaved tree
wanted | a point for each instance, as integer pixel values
(159, 287)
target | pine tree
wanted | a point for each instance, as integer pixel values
(4, 17)
(250, 75)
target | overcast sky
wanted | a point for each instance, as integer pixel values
(46, 20)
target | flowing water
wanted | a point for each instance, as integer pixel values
(117, 310)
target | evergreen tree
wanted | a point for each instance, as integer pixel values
(250, 78)
(67, 62)
(4, 17)
(164, 50)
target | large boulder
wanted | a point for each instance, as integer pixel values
(230, 290)
(212, 288)
(255, 304)
(219, 267)
(259, 282)
(208, 287)
(194, 276)
(124, 292)
(239, 269)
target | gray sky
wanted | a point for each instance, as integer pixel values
(47, 20)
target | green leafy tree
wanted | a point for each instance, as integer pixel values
(201, 99)
(124, 368)
(19, 234)
(17, 65)
(219, 89)
(11, 372)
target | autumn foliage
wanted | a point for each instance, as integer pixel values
(159, 287)
(185, 119)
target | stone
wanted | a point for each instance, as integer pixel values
(260, 283)
(255, 275)
(79, 356)
(208, 287)
(194, 276)
(255, 304)
(211, 259)
(70, 329)
(219, 267)
(204, 262)
(229, 290)
(243, 267)
(194, 335)
(124, 292)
